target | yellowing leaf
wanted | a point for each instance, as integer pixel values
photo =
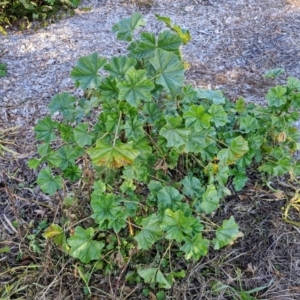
(56, 233)
(226, 234)
(112, 156)
(52, 231)
(2, 30)
(184, 34)
(195, 246)
(238, 147)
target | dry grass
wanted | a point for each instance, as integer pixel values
(267, 256)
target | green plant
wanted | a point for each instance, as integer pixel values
(238, 293)
(271, 74)
(35, 244)
(3, 70)
(9, 290)
(25, 11)
(154, 157)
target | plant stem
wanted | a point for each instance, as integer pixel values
(116, 134)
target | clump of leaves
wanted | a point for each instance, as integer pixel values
(25, 11)
(158, 158)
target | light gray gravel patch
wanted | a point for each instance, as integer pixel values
(233, 43)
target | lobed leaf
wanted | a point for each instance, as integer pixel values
(112, 156)
(135, 87)
(137, 171)
(182, 33)
(168, 197)
(119, 222)
(43, 149)
(67, 155)
(197, 141)
(293, 83)
(169, 71)
(33, 163)
(119, 66)
(215, 96)
(63, 103)
(276, 96)
(174, 133)
(197, 118)
(83, 246)
(164, 19)
(195, 247)
(49, 183)
(152, 112)
(239, 181)
(86, 70)
(145, 47)
(240, 105)
(53, 159)
(192, 186)
(248, 124)
(73, 173)
(66, 133)
(104, 207)
(210, 199)
(218, 115)
(169, 41)
(154, 275)
(56, 233)
(142, 145)
(133, 128)
(108, 88)
(82, 136)
(150, 233)
(277, 168)
(226, 234)
(99, 187)
(176, 225)
(274, 73)
(126, 27)
(44, 130)
(238, 147)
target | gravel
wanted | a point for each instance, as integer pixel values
(233, 43)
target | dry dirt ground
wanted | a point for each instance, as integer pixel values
(233, 43)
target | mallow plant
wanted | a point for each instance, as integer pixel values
(149, 158)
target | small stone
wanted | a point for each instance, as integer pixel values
(189, 8)
(51, 61)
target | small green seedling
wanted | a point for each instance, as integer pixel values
(3, 70)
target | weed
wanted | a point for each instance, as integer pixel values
(158, 159)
